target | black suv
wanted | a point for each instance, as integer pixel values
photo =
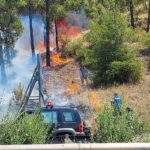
(65, 121)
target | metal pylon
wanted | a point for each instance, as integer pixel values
(36, 77)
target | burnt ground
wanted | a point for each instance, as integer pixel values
(58, 80)
(61, 91)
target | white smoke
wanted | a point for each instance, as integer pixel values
(78, 19)
(22, 65)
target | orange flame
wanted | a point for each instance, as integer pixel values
(72, 88)
(73, 31)
(95, 102)
(42, 47)
(65, 32)
(57, 60)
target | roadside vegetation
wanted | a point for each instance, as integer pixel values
(113, 128)
(110, 128)
(29, 129)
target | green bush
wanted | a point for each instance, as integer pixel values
(122, 72)
(131, 35)
(107, 54)
(146, 39)
(121, 128)
(27, 130)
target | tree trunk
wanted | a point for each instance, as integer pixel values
(47, 3)
(3, 72)
(31, 28)
(7, 48)
(56, 32)
(132, 14)
(148, 21)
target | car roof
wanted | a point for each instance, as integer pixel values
(58, 109)
(54, 108)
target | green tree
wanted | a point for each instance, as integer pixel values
(29, 7)
(10, 28)
(106, 52)
(59, 9)
(53, 11)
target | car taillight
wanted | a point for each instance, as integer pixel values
(80, 127)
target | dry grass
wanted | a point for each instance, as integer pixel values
(136, 96)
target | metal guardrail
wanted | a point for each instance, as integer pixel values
(127, 146)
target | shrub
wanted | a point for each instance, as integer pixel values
(146, 39)
(131, 35)
(28, 130)
(112, 61)
(124, 71)
(120, 128)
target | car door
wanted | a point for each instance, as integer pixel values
(50, 117)
(70, 119)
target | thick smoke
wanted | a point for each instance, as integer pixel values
(78, 19)
(22, 65)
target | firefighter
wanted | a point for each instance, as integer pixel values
(83, 74)
(116, 103)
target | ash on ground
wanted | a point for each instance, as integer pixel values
(63, 88)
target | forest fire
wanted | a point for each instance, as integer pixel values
(65, 33)
(57, 60)
(66, 29)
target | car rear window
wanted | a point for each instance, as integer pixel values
(50, 116)
(68, 116)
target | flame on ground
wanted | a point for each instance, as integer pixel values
(95, 102)
(72, 88)
(57, 60)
